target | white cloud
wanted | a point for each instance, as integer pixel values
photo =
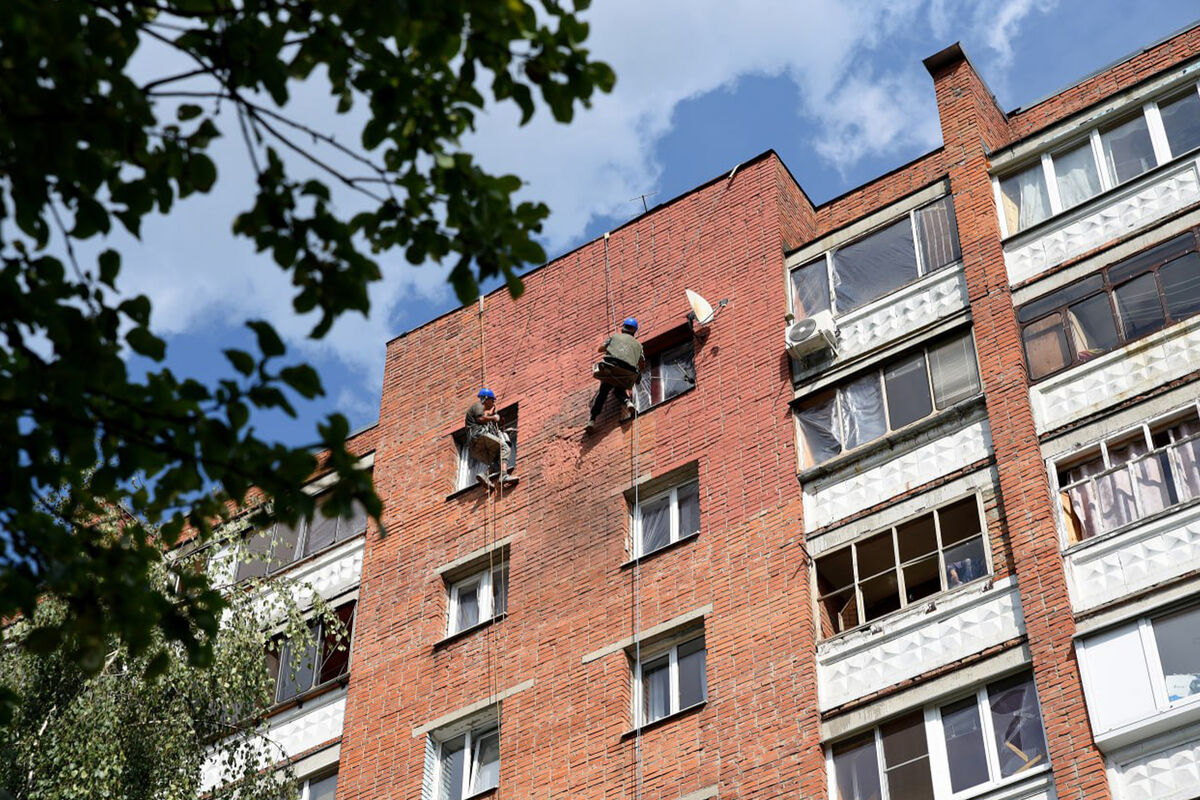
(865, 94)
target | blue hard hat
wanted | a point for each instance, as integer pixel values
(485, 392)
(629, 322)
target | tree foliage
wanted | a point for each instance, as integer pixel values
(88, 147)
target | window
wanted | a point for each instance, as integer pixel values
(296, 666)
(1131, 475)
(670, 371)
(1177, 638)
(1105, 158)
(666, 682)
(468, 763)
(983, 739)
(280, 545)
(923, 241)
(469, 466)
(1128, 300)
(477, 598)
(870, 405)
(901, 565)
(319, 788)
(666, 518)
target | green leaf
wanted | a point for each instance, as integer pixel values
(303, 379)
(188, 111)
(269, 342)
(242, 361)
(110, 264)
(145, 343)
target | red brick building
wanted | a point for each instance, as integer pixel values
(943, 541)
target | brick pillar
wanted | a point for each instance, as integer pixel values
(972, 127)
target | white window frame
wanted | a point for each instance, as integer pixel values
(672, 678)
(1158, 678)
(922, 269)
(1158, 139)
(471, 739)
(486, 579)
(675, 534)
(935, 743)
(305, 786)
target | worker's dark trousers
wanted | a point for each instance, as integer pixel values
(602, 395)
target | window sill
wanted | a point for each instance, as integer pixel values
(446, 641)
(896, 440)
(492, 792)
(682, 540)
(340, 682)
(457, 493)
(683, 712)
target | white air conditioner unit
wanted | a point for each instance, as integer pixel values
(812, 334)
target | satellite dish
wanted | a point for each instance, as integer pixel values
(701, 308)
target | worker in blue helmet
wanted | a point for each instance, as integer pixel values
(618, 371)
(486, 442)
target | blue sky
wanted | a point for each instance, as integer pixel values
(836, 88)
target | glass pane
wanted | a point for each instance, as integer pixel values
(1181, 285)
(1114, 499)
(453, 767)
(323, 789)
(857, 769)
(1138, 304)
(656, 524)
(880, 595)
(875, 555)
(1092, 327)
(335, 648)
(1075, 171)
(1181, 119)
(296, 678)
(916, 538)
(283, 549)
(954, 375)
(674, 372)
(964, 744)
(819, 431)
(906, 757)
(959, 520)
(921, 579)
(1064, 296)
(486, 771)
(810, 289)
(1024, 198)
(656, 689)
(965, 562)
(874, 265)
(1187, 474)
(1178, 638)
(689, 509)
(693, 684)
(499, 591)
(1046, 347)
(322, 531)
(1017, 724)
(252, 560)
(907, 391)
(938, 234)
(1153, 483)
(468, 607)
(1127, 149)
(860, 403)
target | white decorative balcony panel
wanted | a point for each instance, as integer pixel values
(1102, 220)
(1169, 774)
(934, 297)
(287, 735)
(1135, 559)
(912, 642)
(861, 490)
(329, 574)
(1120, 375)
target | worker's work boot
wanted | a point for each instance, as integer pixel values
(484, 479)
(591, 426)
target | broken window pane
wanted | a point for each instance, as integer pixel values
(1017, 724)
(959, 520)
(674, 372)
(1076, 173)
(874, 265)
(1092, 327)
(860, 405)
(835, 585)
(916, 538)
(1024, 198)
(964, 744)
(880, 595)
(938, 234)
(810, 289)
(1046, 347)
(954, 375)
(856, 768)
(1181, 285)
(693, 686)
(907, 391)
(922, 579)
(1181, 120)
(1139, 307)
(906, 758)
(1178, 638)
(1127, 149)
(820, 432)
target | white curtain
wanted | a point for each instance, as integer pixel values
(1078, 179)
